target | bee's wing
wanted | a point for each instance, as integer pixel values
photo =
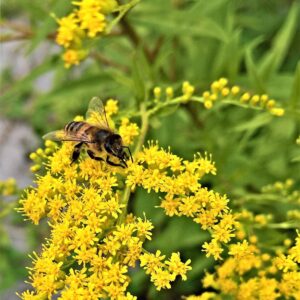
(96, 113)
(62, 135)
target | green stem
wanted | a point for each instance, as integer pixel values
(140, 143)
(284, 225)
(122, 10)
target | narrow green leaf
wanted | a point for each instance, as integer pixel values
(48, 26)
(252, 71)
(294, 99)
(258, 121)
(141, 74)
(205, 27)
(274, 58)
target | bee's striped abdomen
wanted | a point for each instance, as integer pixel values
(74, 126)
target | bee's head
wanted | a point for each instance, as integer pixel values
(114, 146)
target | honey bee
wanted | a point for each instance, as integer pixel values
(95, 135)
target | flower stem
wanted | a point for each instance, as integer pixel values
(140, 142)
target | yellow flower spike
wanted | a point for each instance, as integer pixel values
(245, 97)
(235, 90)
(157, 93)
(169, 93)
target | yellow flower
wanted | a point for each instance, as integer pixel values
(128, 131)
(111, 107)
(152, 262)
(222, 233)
(284, 263)
(161, 279)
(240, 250)
(93, 22)
(212, 248)
(67, 31)
(177, 267)
(72, 57)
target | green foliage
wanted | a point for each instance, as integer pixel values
(253, 43)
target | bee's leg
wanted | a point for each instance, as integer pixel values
(76, 152)
(92, 155)
(114, 164)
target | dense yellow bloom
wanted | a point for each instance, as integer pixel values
(87, 217)
(128, 131)
(68, 30)
(87, 20)
(250, 274)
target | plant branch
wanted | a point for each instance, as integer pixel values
(144, 129)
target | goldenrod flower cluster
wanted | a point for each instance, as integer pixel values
(93, 243)
(250, 273)
(163, 172)
(87, 21)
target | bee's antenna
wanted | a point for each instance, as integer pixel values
(129, 152)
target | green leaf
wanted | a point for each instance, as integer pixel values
(174, 236)
(258, 121)
(294, 99)
(274, 58)
(205, 27)
(253, 74)
(141, 73)
(48, 25)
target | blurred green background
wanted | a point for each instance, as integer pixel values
(255, 44)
